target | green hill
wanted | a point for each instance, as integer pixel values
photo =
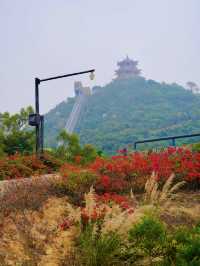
(128, 110)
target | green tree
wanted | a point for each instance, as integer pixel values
(70, 148)
(15, 134)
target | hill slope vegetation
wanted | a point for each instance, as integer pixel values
(128, 110)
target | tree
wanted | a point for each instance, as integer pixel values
(69, 146)
(70, 149)
(193, 86)
(15, 134)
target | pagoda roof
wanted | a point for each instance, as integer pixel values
(127, 68)
(126, 61)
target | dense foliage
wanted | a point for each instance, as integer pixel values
(15, 134)
(70, 149)
(20, 166)
(127, 110)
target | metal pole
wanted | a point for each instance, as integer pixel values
(42, 134)
(173, 142)
(37, 111)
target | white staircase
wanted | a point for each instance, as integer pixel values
(76, 112)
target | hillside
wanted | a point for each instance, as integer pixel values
(127, 110)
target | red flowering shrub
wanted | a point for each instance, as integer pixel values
(75, 181)
(132, 170)
(18, 166)
(105, 183)
(120, 173)
(12, 168)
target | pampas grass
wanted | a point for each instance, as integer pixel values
(114, 220)
(155, 196)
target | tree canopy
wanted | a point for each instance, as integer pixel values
(15, 134)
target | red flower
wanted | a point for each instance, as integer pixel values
(105, 181)
(66, 224)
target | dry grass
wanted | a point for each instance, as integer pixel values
(34, 238)
(174, 208)
(160, 197)
(26, 193)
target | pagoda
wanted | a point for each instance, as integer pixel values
(127, 69)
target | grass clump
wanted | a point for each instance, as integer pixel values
(97, 249)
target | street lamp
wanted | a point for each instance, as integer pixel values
(36, 119)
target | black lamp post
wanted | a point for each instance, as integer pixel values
(36, 119)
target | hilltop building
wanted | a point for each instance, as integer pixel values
(127, 68)
(79, 89)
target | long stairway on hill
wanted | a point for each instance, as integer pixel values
(82, 94)
(76, 113)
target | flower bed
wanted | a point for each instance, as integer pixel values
(135, 168)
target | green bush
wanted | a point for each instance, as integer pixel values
(196, 147)
(97, 249)
(183, 247)
(150, 243)
(147, 238)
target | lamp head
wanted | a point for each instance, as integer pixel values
(92, 76)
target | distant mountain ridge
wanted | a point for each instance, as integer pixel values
(127, 110)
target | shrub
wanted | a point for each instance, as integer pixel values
(183, 247)
(96, 249)
(13, 167)
(51, 162)
(19, 166)
(151, 244)
(102, 229)
(148, 237)
(75, 182)
(196, 147)
(134, 169)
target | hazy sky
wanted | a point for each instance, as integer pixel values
(49, 37)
